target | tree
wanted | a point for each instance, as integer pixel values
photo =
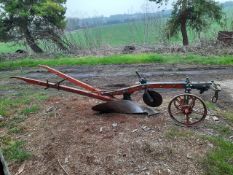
(32, 20)
(194, 14)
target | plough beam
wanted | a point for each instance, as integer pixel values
(47, 85)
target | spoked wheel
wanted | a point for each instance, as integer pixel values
(187, 109)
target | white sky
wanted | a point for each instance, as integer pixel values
(90, 8)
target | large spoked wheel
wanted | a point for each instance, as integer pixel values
(187, 109)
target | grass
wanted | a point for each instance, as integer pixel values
(9, 47)
(30, 110)
(173, 133)
(20, 103)
(228, 115)
(220, 160)
(16, 109)
(14, 151)
(211, 106)
(223, 130)
(121, 59)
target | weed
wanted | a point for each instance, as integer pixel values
(16, 130)
(30, 110)
(175, 132)
(211, 105)
(223, 130)
(219, 160)
(228, 115)
(14, 151)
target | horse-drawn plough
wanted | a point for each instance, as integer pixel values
(186, 109)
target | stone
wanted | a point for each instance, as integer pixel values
(101, 129)
(114, 125)
(189, 156)
(215, 118)
(66, 160)
(146, 128)
(135, 130)
(2, 118)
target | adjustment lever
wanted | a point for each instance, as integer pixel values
(141, 79)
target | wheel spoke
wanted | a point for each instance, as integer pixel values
(187, 109)
(197, 112)
(178, 112)
(187, 122)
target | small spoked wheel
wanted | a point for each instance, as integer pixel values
(187, 109)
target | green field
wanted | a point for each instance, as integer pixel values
(149, 31)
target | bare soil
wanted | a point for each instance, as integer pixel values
(67, 137)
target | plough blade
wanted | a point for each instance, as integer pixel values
(123, 107)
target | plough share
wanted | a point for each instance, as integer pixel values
(185, 109)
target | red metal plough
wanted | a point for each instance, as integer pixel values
(186, 109)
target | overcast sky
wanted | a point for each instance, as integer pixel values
(90, 8)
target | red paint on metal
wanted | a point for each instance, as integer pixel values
(65, 88)
(135, 88)
(71, 79)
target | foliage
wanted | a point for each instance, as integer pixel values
(192, 14)
(31, 20)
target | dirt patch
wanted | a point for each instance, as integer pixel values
(85, 142)
(67, 135)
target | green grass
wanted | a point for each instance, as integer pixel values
(30, 109)
(20, 103)
(120, 59)
(9, 47)
(211, 105)
(220, 160)
(228, 115)
(223, 130)
(14, 151)
(120, 34)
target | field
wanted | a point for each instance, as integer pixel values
(145, 32)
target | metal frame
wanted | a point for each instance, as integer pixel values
(104, 95)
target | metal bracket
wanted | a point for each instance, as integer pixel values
(188, 86)
(58, 84)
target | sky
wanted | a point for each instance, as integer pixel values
(90, 8)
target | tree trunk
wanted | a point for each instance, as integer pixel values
(184, 32)
(31, 42)
(183, 23)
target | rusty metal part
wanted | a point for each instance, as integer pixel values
(187, 109)
(124, 107)
(152, 98)
(216, 88)
(64, 88)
